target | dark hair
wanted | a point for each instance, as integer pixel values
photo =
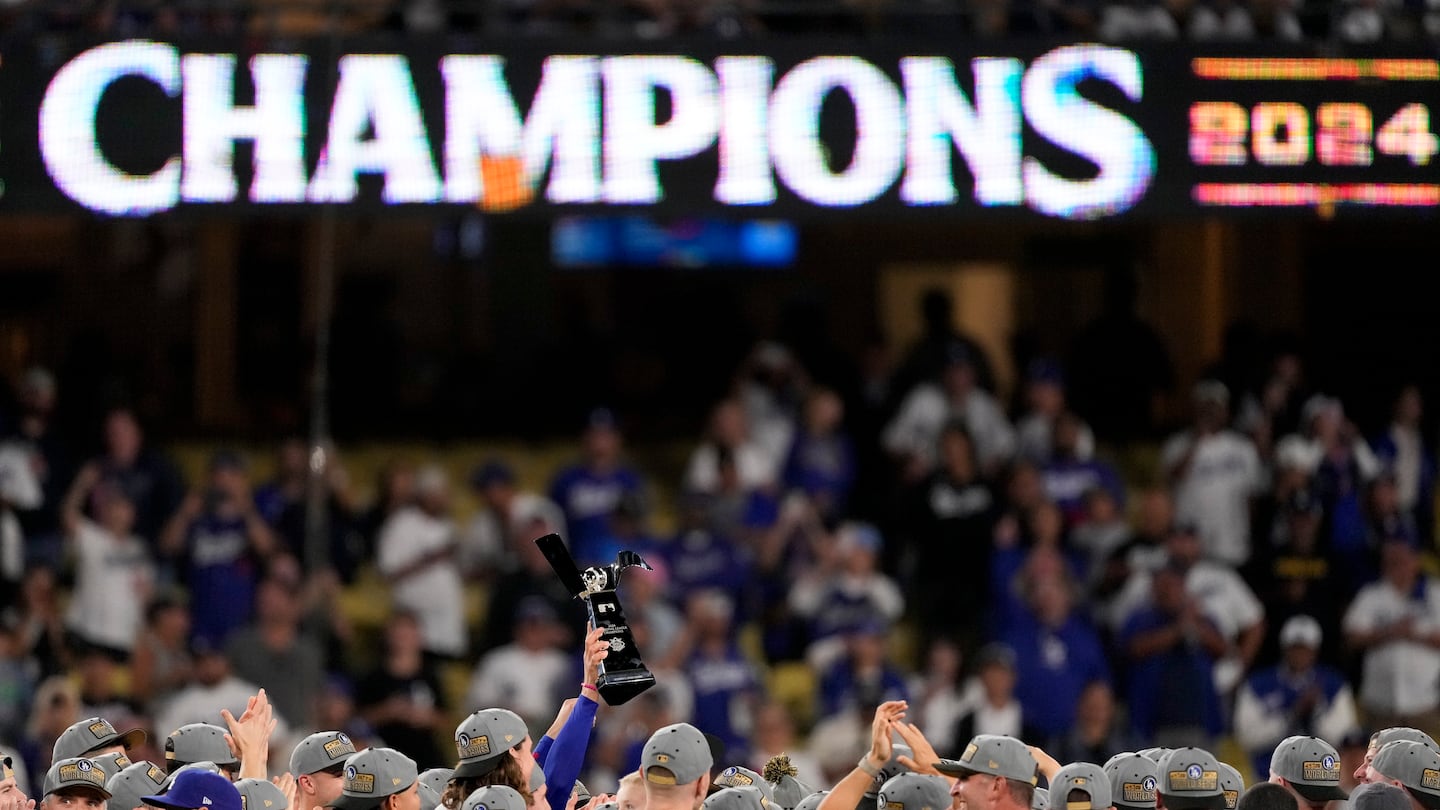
(1023, 793)
(1267, 796)
(507, 773)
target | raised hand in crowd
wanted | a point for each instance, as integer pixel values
(249, 737)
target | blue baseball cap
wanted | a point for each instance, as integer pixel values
(197, 790)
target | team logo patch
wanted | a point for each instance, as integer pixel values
(121, 763)
(1194, 778)
(395, 781)
(732, 777)
(339, 747)
(970, 751)
(1430, 779)
(359, 782)
(472, 746)
(102, 729)
(84, 765)
(154, 774)
(1323, 770)
(81, 771)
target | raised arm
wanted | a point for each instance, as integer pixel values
(565, 758)
(847, 794)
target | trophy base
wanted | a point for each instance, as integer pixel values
(619, 687)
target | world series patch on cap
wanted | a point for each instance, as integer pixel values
(320, 751)
(1190, 780)
(995, 755)
(92, 734)
(1086, 777)
(372, 775)
(1311, 766)
(483, 737)
(1133, 781)
(1416, 766)
(736, 776)
(73, 773)
(112, 763)
(1232, 784)
(677, 754)
(494, 797)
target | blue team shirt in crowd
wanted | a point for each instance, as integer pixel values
(589, 499)
(1172, 689)
(1053, 666)
(721, 686)
(1281, 694)
(221, 574)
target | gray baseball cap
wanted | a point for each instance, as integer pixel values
(914, 791)
(1311, 766)
(437, 779)
(75, 772)
(136, 780)
(321, 751)
(199, 742)
(789, 791)
(373, 774)
(995, 755)
(812, 801)
(205, 766)
(537, 777)
(92, 734)
(1386, 736)
(1414, 765)
(1039, 798)
(259, 794)
(1190, 780)
(1379, 796)
(607, 806)
(1133, 779)
(1154, 754)
(1086, 777)
(494, 797)
(111, 763)
(1232, 784)
(677, 754)
(737, 776)
(747, 797)
(485, 736)
(891, 769)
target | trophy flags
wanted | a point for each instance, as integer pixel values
(623, 675)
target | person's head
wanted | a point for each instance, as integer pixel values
(993, 773)
(1183, 544)
(292, 459)
(712, 614)
(1024, 485)
(1050, 599)
(1309, 767)
(1044, 387)
(630, 795)
(859, 546)
(1046, 524)
(995, 667)
(675, 766)
(402, 633)
(1100, 506)
(115, 510)
(200, 742)
(9, 787)
(1156, 512)
(228, 472)
(1189, 779)
(1096, 705)
(1366, 772)
(1080, 786)
(1133, 781)
(262, 794)
(432, 489)
(1300, 639)
(536, 623)
(602, 440)
(75, 783)
(728, 426)
(1167, 589)
(1323, 416)
(914, 791)
(1400, 563)
(1267, 796)
(1303, 512)
(1409, 406)
(318, 764)
(494, 482)
(493, 748)
(774, 727)
(37, 391)
(1380, 796)
(958, 375)
(1211, 400)
(824, 412)
(276, 602)
(1065, 439)
(211, 664)
(379, 779)
(94, 737)
(123, 436)
(957, 451)
(1413, 766)
(1383, 494)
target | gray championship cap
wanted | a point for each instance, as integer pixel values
(75, 773)
(677, 754)
(1311, 766)
(485, 736)
(1039, 798)
(1154, 754)
(537, 778)
(136, 780)
(111, 763)
(437, 779)
(914, 791)
(995, 755)
(199, 742)
(494, 797)
(259, 794)
(787, 790)
(1232, 784)
(1086, 777)
(607, 806)
(372, 775)
(92, 734)
(738, 776)
(891, 769)
(429, 799)
(1133, 781)
(1386, 736)
(204, 766)
(1379, 796)
(321, 751)
(1190, 780)
(812, 801)
(1415, 766)
(737, 798)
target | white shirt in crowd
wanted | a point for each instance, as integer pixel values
(1214, 491)
(916, 428)
(1261, 725)
(482, 544)
(1307, 453)
(113, 580)
(1400, 676)
(433, 593)
(528, 682)
(756, 467)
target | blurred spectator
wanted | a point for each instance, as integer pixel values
(1385, 518)
(995, 709)
(1119, 366)
(628, 531)
(1273, 411)
(100, 689)
(1113, 596)
(1057, 655)
(1402, 449)
(402, 697)
(48, 451)
(589, 490)
(161, 665)
(1172, 647)
(735, 511)
(772, 387)
(729, 436)
(1215, 471)
(1102, 532)
(150, 480)
(1298, 578)
(1297, 696)
(775, 735)
(283, 502)
(18, 677)
(215, 687)
(416, 554)
(1342, 466)
(114, 573)
(529, 574)
(221, 541)
(529, 676)
(937, 699)
(821, 461)
(56, 708)
(1067, 475)
(1098, 733)
(19, 490)
(726, 684)
(863, 668)
(488, 540)
(1044, 402)
(846, 590)
(939, 336)
(394, 490)
(35, 620)
(1395, 623)
(336, 710)
(700, 558)
(913, 436)
(273, 653)
(950, 520)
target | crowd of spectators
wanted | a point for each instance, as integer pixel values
(1349, 21)
(1267, 580)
